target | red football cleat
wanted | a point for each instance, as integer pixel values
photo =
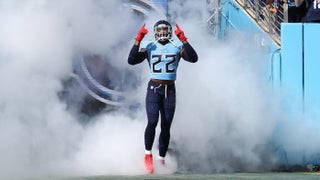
(148, 163)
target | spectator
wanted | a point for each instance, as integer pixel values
(295, 14)
(276, 9)
(272, 6)
(312, 10)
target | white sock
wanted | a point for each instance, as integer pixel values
(148, 152)
(161, 158)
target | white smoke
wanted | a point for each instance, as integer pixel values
(38, 135)
(231, 110)
(229, 117)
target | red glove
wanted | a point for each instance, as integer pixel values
(142, 32)
(180, 34)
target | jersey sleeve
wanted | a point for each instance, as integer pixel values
(145, 44)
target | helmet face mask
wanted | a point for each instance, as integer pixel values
(162, 31)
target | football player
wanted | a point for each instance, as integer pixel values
(163, 55)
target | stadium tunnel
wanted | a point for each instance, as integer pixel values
(96, 84)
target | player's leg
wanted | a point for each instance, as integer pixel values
(153, 101)
(167, 113)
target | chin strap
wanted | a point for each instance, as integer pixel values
(174, 44)
(155, 42)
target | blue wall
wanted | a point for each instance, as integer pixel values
(301, 65)
(294, 69)
(292, 65)
(234, 18)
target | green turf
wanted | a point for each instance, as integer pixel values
(223, 176)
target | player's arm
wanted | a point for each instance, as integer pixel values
(187, 52)
(136, 56)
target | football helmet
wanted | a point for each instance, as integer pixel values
(162, 30)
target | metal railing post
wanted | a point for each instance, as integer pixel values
(285, 11)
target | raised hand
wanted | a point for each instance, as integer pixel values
(180, 34)
(141, 33)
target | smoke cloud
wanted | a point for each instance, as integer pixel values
(226, 112)
(38, 134)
